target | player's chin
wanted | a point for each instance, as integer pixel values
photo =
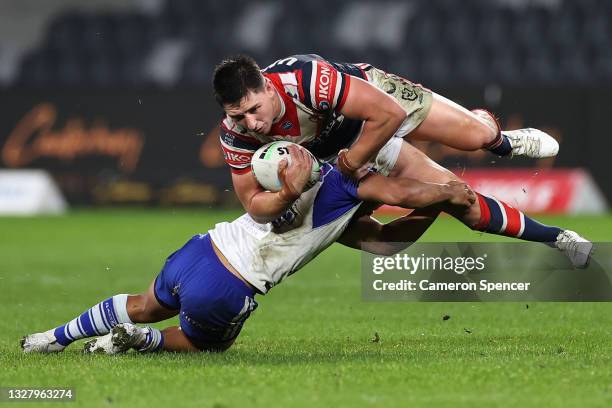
(262, 130)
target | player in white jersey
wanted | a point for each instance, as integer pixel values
(212, 281)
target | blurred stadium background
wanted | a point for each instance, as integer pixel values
(113, 99)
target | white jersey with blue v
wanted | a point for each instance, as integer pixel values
(264, 254)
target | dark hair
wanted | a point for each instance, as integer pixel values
(235, 77)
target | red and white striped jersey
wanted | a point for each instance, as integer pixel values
(312, 91)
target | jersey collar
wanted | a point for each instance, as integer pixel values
(282, 107)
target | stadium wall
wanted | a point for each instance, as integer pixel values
(156, 146)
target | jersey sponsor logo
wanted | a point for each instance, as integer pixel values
(291, 219)
(323, 87)
(227, 137)
(324, 80)
(236, 158)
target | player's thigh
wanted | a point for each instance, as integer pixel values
(176, 340)
(413, 163)
(153, 306)
(450, 123)
(145, 308)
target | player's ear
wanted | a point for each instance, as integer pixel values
(268, 87)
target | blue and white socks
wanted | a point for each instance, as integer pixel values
(100, 319)
(154, 340)
(97, 321)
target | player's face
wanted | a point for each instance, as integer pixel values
(257, 110)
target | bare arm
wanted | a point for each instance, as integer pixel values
(410, 193)
(368, 234)
(430, 199)
(382, 116)
(264, 206)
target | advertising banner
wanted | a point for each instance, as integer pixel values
(159, 146)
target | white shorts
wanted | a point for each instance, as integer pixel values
(415, 99)
(387, 156)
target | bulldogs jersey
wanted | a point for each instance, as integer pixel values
(264, 254)
(312, 92)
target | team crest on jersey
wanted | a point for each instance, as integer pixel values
(324, 105)
(287, 125)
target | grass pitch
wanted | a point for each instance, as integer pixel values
(312, 342)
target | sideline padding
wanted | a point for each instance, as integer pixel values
(29, 192)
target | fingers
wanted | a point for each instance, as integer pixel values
(282, 165)
(300, 157)
(294, 172)
(282, 171)
(470, 193)
(464, 196)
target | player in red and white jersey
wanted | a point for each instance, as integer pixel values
(311, 92)
(328, 106)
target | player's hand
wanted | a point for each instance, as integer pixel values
(462, 194)
(294, 176)
(348, 168)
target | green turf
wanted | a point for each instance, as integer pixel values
(310, 342)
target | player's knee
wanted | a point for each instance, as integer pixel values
(136, 308)
(487, 125)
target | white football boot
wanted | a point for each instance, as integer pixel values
(41, 343)
(575, 247)
(531, 142)
(121, 338)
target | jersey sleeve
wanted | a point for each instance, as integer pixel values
(238, 148)
(323, 87)
(337, 195)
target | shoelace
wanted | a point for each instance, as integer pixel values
(529, 144)
(571, 246)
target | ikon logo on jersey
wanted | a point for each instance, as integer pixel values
(324, 80)
(235, 158)
(324, 86)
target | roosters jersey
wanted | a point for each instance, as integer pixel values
(312, 92)
(264, 254)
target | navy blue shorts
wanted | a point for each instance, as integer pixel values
(213, 302)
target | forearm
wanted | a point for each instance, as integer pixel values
(410, 227)
(369, 235)
(375, 134)
(266, 206)
(400, 233)
(417, 194)
(263, 206)
(382, 117)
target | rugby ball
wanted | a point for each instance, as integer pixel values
(264, 165)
